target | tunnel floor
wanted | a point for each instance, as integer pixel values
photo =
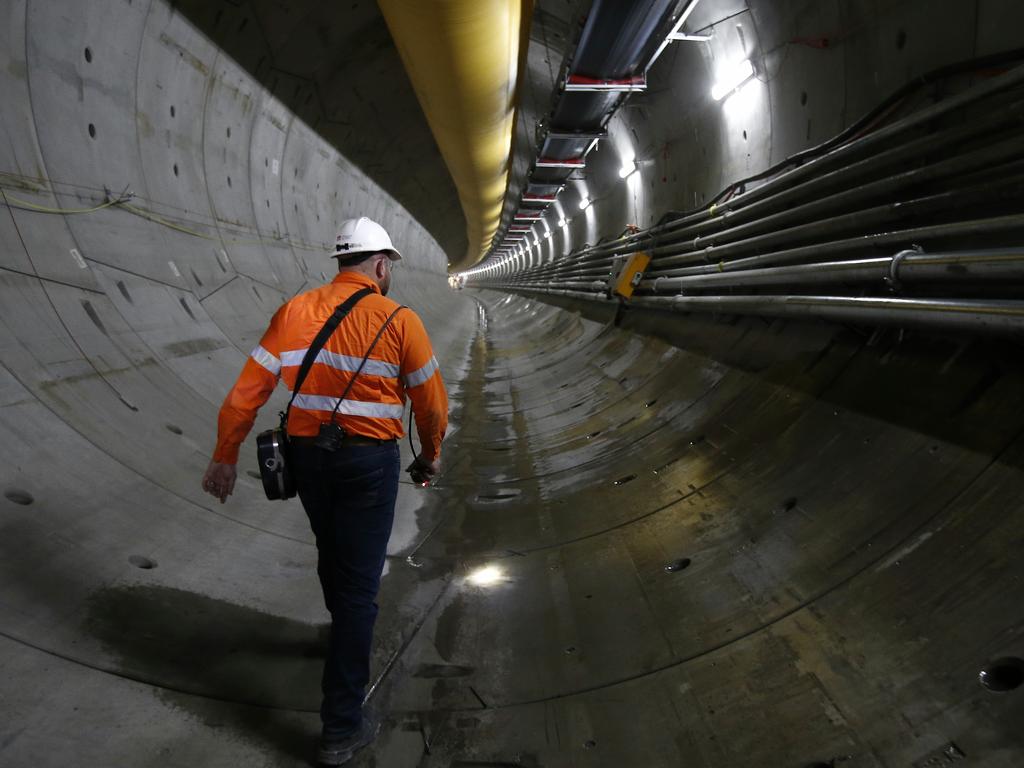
(638, 553)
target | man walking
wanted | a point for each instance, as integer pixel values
(348, 492)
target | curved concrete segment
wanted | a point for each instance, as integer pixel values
(656, 542)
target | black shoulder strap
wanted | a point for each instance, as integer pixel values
(318, 343)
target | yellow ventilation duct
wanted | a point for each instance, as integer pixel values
(463, 58)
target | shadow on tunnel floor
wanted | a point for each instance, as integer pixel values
(204, 653)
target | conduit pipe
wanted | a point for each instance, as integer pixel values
(735, 227)
(903, 267)
(817, 170)
(1006, 317)
(463, 58)
(696, 244)
(994, 226)
(960, 314)
(988, 227)
(805, 255)
(877, 217)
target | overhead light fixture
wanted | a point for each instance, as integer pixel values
(628, 169)
(584, 203)
(731, 79)
(563, 223)
(548, 233)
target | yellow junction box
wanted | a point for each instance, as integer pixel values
(627, 274)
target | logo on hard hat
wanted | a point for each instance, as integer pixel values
(376, 238)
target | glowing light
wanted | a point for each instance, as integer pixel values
(487, 576)
(584, 203)
(731, 79)
(628, 170)
(563, 223)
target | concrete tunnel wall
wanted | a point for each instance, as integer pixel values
(840, 537)
(120, 338)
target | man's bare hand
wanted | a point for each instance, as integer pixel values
(219, 480)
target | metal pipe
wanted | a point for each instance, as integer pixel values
(849, 198)
(961, 314)
(903, 267)
(976, 228)
(956, 314)
(813, 168)
(951, 167)
(865, 219)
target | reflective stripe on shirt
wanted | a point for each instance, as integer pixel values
(422, 375)
(350, 407)
(267, 360)
(342, 362)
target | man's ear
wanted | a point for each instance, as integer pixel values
(380, 268)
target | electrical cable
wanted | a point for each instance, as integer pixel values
(24, 205)
(855, 130)
(122, 202)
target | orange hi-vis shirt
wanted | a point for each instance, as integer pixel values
(402, 362)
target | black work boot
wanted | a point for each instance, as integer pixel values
(337, 751)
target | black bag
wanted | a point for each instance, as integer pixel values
(272, 444)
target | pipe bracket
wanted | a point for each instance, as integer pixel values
(892, 281)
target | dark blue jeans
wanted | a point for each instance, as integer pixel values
(349, 496)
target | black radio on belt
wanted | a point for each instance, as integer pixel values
(330, 436)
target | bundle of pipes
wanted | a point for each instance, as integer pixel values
(928, 205)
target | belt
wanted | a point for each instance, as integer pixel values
(347, 440)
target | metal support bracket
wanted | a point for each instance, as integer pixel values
(893, 278)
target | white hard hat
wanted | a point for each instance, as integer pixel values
(362, 235)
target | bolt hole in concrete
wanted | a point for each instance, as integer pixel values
(503, 494)
(172, 110)
(624, 480)
(1002, 675)
(593, 434)
(173, 428)
(649, 403)
(571, 649)
(175, 169)
(18, 496)
(678, 565)
(589, 744)
(789, 504)
(92, 131)
(88, 55)
(142, 562)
